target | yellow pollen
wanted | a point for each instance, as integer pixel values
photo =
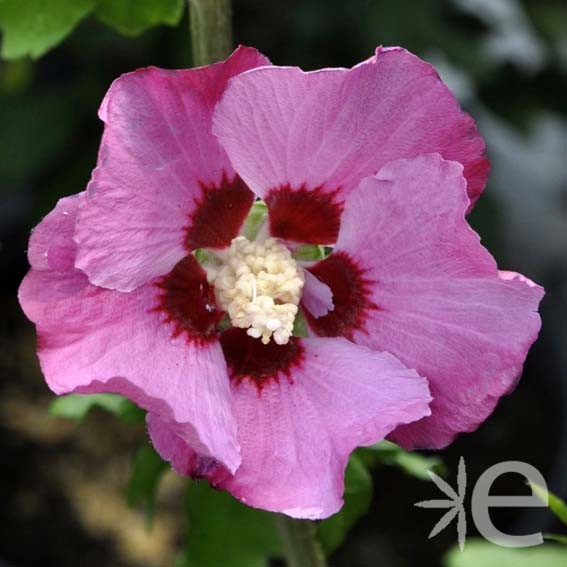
(259, 286)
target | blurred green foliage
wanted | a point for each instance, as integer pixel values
(33, 27)
(77, 406)
(414, 464)
(222, 531)
(482, 553)
(132, 17)
(147, 470)
(556, 505)
(358, 493)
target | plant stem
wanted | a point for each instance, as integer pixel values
(211, 30)
(300, 547)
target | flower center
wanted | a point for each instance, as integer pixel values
(259, 286)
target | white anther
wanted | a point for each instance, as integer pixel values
(253, 289)
(259, 286)
(273, 324)
(253, 332)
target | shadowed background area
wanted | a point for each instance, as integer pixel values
(62, 485)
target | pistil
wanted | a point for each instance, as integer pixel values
(259, 285)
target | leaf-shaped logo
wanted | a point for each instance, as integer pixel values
(456, 504)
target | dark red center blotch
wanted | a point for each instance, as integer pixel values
(248, 358)
(351, 296)
(188, 302)
(310, 216)
(219, 214)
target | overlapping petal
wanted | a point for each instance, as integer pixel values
(430, 294)
(298, 427)
(96, 340)
(163, 185)
(304, 141)
(317, 297)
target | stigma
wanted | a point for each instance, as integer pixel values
(259, 285)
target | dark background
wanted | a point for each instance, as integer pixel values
(61, 486)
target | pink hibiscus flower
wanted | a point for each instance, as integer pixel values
(415, 334)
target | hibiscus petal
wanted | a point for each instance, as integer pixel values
(304, 141)
(183, 458)
(51, 243)
(162, 185)
(430, 294)
(298, 426)
(96, 340)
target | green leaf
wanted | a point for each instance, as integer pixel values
(77, 406)
(32, 27)
(555, 504)
(482, 553)
(129, 412)
(300, 326)
(562, 539)
(132, 17)
(222, 531)
(358, 494)
(147, 471)
(310, 252)
(383, 448)
(205, 257)
(255, 219)
(412, 463)
(417, 465)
